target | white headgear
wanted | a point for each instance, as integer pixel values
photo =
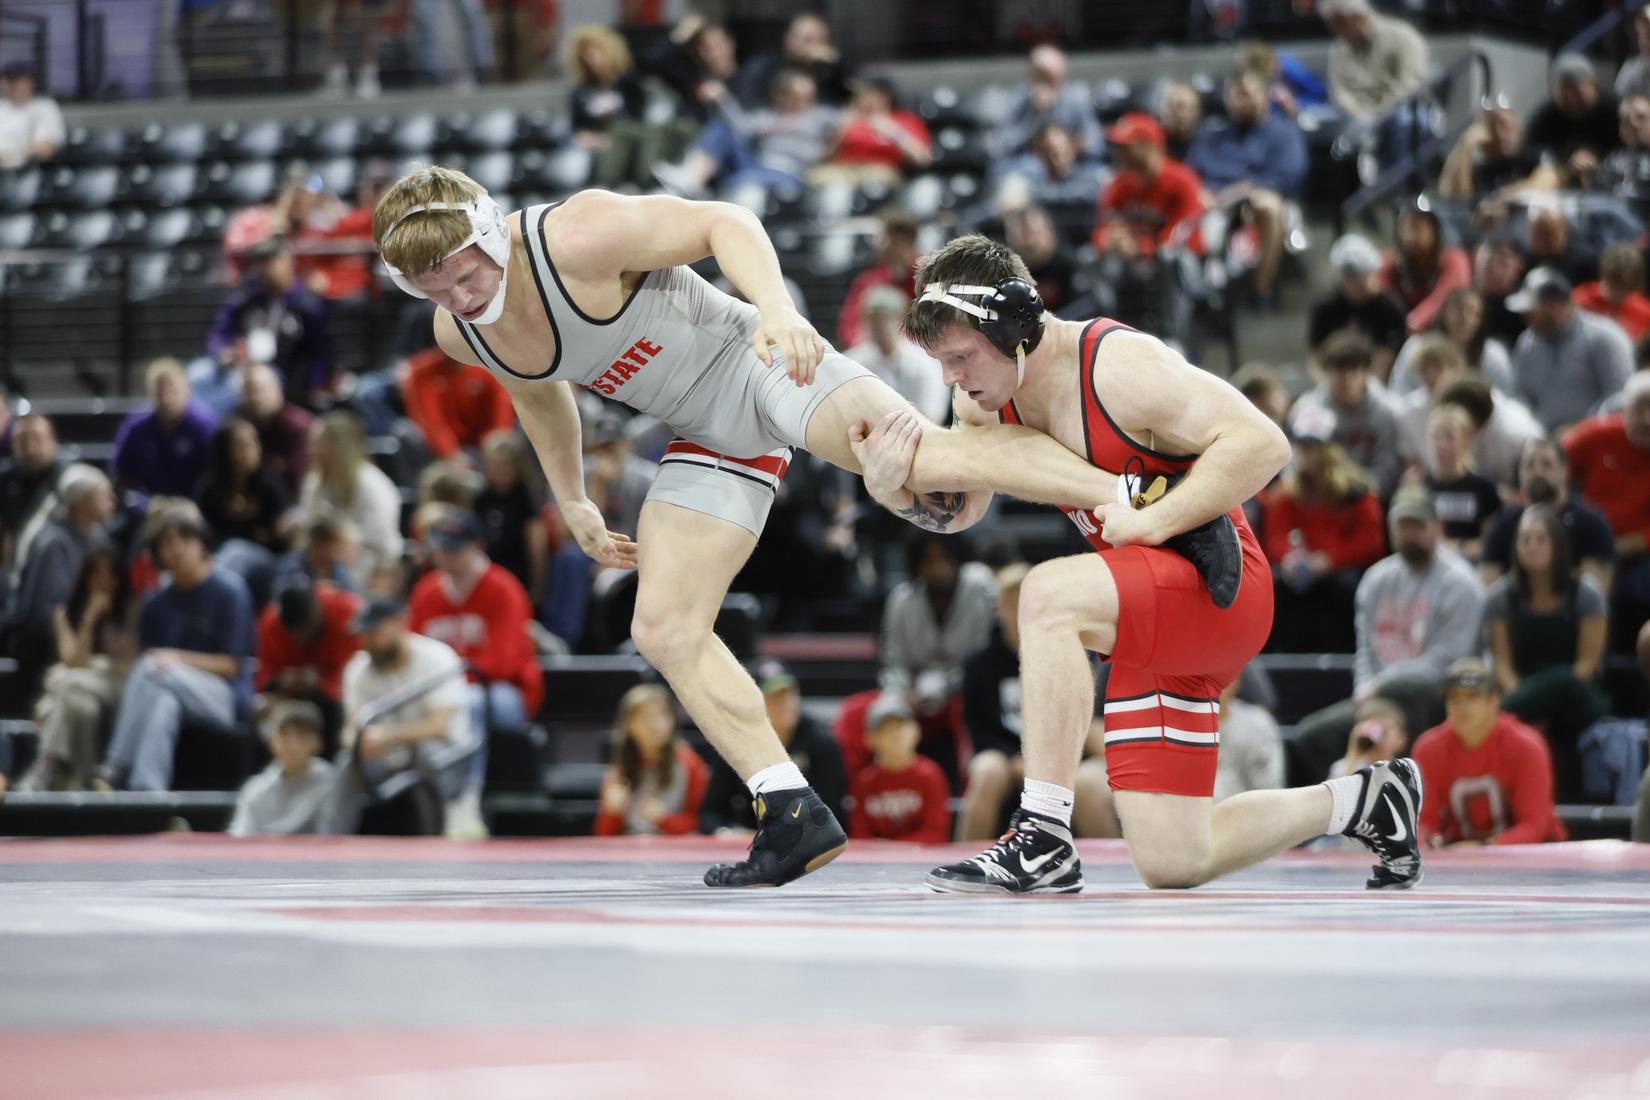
(488, 230)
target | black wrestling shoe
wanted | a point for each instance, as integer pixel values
(795, 833)
(1388, 810)
(1035, 856)
(1213, 548)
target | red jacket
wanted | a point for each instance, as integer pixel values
(683, 820)
(487, 628)
(911, 805)
(1633, 314)
(848, 330)
(1353, 535)
(1612, 474)
(1152, 209)
(454, 404)
(1501, 791)
(278, 650)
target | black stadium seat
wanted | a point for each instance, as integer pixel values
(87, 188)
(167, 228)
(339, 174)
(492, 170)
(80, 230)
(483, 132)
(16, 230)
(86, 145)
(174, 142)
(250, 141)
(543, 131)
(238, 184)
(399, 137)
(336, 138)
(164, 185)
(20, 188)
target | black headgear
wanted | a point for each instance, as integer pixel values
(1010, 313)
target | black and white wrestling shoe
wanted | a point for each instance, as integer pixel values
(1035, 856)
(795, 833)
(1212, 548)
(1388, 810)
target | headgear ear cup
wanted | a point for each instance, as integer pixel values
(1018, 326)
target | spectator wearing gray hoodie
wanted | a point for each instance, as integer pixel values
(1367, 422)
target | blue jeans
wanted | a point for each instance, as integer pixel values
(478, 37)
(495, 706)
(252, 563)
(154, 706)
(374, 400)
(736, 163)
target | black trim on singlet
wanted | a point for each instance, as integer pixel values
(1094, 392)
(568, 298)
(472, 333)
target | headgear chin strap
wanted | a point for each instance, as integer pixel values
(1010, 313)
(488, 230)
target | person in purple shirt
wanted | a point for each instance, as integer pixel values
(1255, 156)
(164, 450)
(274, 318)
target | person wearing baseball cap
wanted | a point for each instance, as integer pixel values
(1492, 776)
(1150, 196)
(899, 795)
(31, 126)
(1568, 362)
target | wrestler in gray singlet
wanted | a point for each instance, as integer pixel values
(680, 350)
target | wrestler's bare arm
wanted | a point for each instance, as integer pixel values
(1160, 399)
(944, 511)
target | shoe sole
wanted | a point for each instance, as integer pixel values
(1409, 885)
(954, 886)
(808, 868)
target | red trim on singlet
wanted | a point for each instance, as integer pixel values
(774, 465)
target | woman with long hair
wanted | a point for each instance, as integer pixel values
(1546, 624)
(609, 108)
(1321, 527)
(1463, 321)
(343, 479)
(655, 783)
(1425, 267)
(96, 644)
(246, 507)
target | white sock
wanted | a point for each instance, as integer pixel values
(780, 777)
(1048, 800)
(1344, 794)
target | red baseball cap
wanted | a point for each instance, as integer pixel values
(1137, 126)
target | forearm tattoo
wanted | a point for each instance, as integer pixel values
(934, 511)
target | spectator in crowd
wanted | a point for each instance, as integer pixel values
(1568, 362)
(727, 808)
(1251, 747)
(1150, 197)
(1490, 775)
(1425, 267)
(616, 478)
(1610, 467)
(274, 318)
(96, 642)
(31, 126)
(28, 486)
(1366, 418)
(1291, 87)
(164, 450)
(1360, 303)
(774, 147)
(285, 431)
(807, 49)
(885, 351)
(876, 141)
(1050, 174)
(476, 607)
(1501, 425)
(655, 784)
(1577, 127)
(1465, 501)
(1634, 76)
(46, 577)
(1322, 529)
(1265, 389)
(195, 635)
(455, 405)
(433, 23)
(306, 637)
(1491, 160)
(359, 19)
(1626, 171)
(1553, 246)
(511, 516)
(430, 732)
(345, 481)
(340, 269)
(1180, 111)
(1433, 362)
(1543, 478)
(1254, 157)
(896, 266)
(1618, 293)
(328, 552)
(1375, 63)
(1462, 321)
(900, 795)
(292, 795)
(1049, 96)
(609, 111)
(1546, 626)
(1499, 264)
(1417, 611)
(246, 508)
(697, 61)
(1378, 733)
(1031, 233)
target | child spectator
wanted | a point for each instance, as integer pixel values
(900, 795)
(655, 783)
(1360, 304)
(1366, 423)
(345, 481)
(1465, 501)
(1462, 320)
(290, 797)
(1489, 777)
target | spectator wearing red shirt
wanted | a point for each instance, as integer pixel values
(1488, 776)
(1619, 292)
(1424, 268)
(899, 795)
(305, 638)
(456, 405)
(878, 142)
(1150, 197)
(1321, 528)
(896, 266)
(481, 611)
(1610, 464)
(655, 783)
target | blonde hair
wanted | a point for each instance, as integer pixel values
(1450, 416)
(607, 39)
(447, 482)
(349, 453)
(1433, 348)
(1342, 482)
(423, 240)
(164, 367)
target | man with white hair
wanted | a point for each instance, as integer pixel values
(86, 504)
(1375, 62)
